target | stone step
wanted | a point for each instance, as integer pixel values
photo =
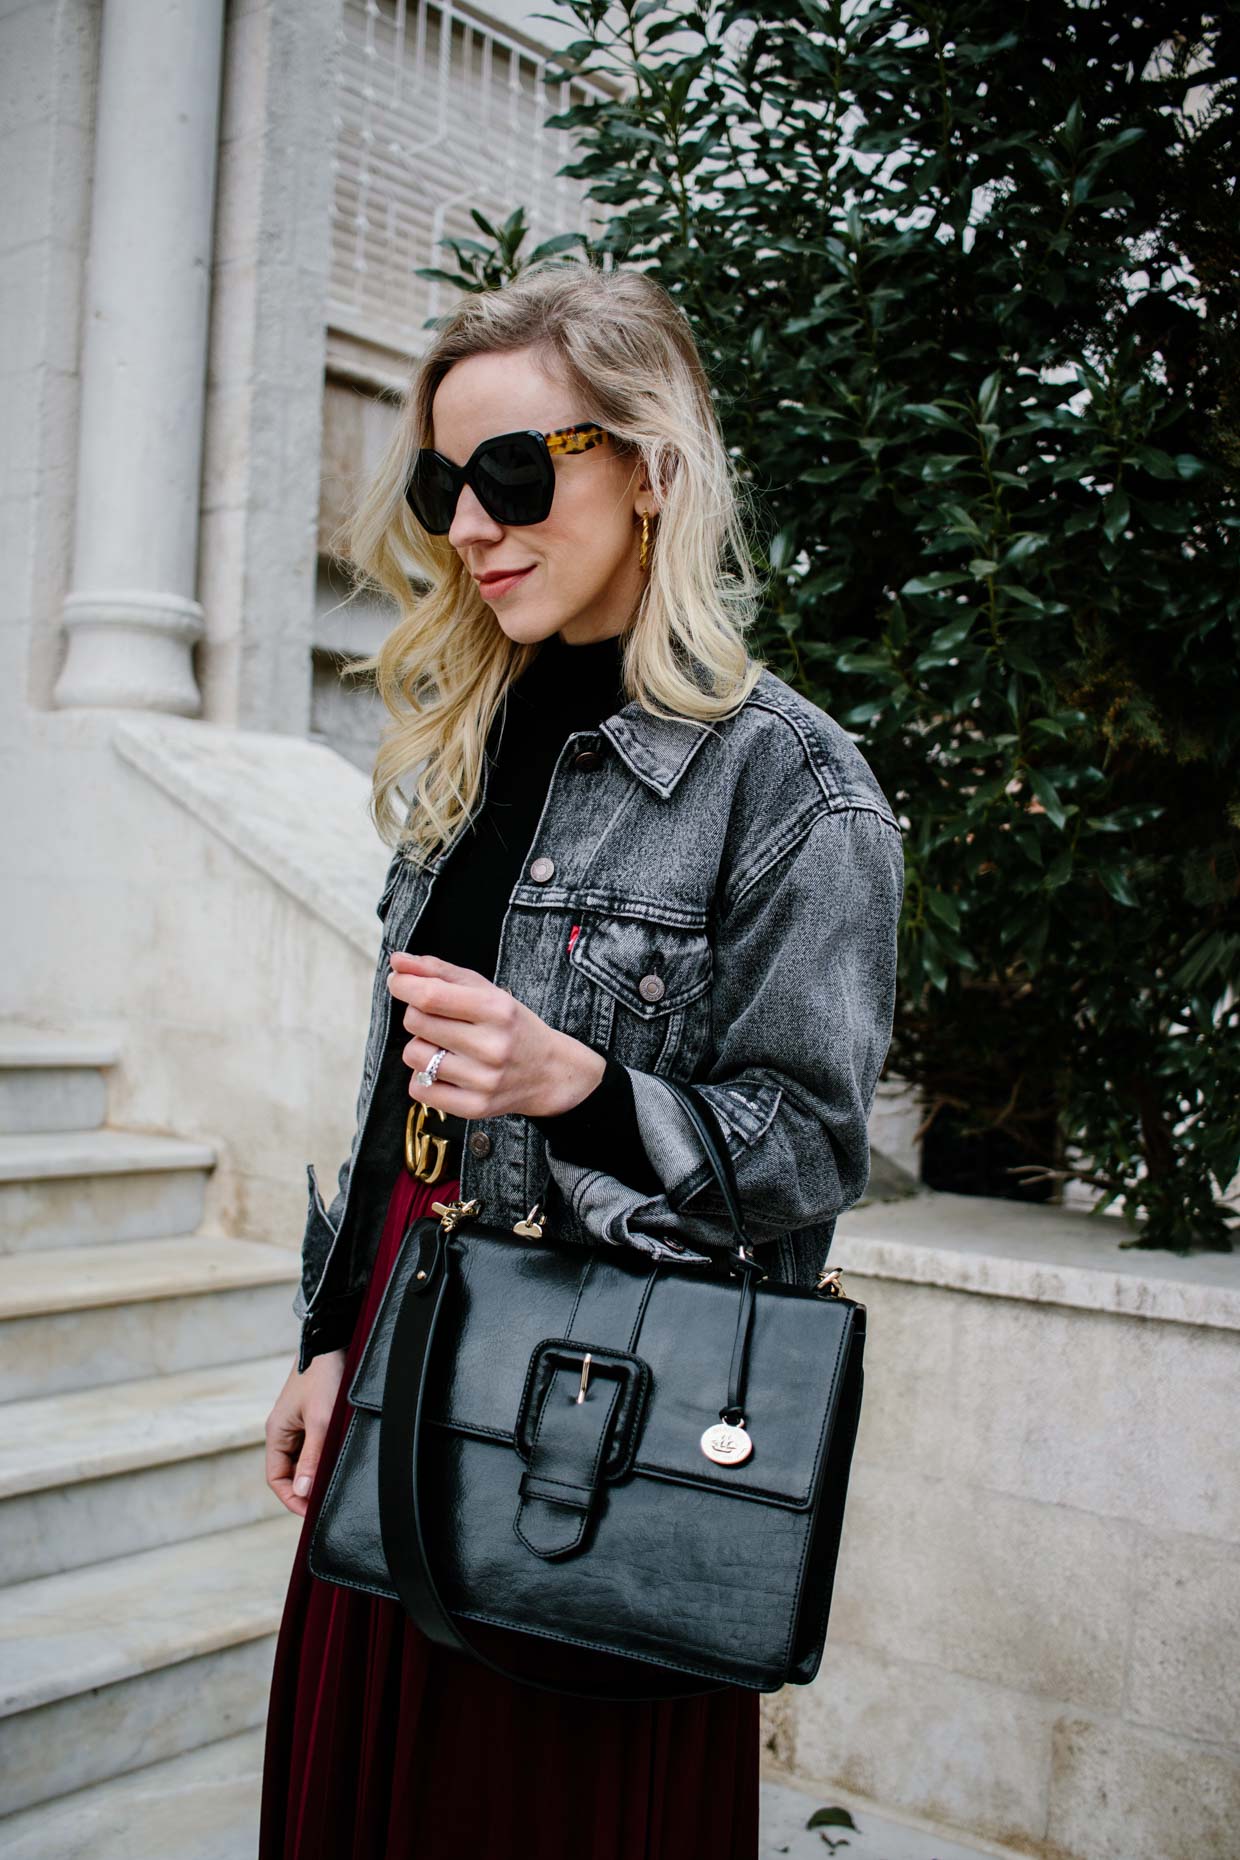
(75, 1317)
(139, 1658)
(200, 1806)
(46, 1048)
(105, 1472)
(84, 1187)
(787, 1804)
(51, 1080)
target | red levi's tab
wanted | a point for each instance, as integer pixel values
(572, 935)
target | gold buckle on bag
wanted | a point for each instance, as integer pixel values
(419, 1142)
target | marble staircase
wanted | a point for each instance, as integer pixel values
(143, 1560)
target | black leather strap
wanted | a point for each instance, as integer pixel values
(401, 1515)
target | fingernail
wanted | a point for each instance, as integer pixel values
(301, 1485)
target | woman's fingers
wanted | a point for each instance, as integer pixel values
(496, 1049)
(464, 1001)
(306, 1470)
(406, 964)
(454, 1068)
(465, 997)
(483, 1044)
(297, 1427)
(285, 1437)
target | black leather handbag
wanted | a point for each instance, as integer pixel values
(640, 1461)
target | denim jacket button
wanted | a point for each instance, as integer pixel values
(588, 759)
(541, 870)
(479, 1143)
(651, 988)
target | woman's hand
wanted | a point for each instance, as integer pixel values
(296, 1426)
(501, 1057)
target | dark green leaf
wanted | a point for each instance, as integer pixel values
(1115, 513)
(831, 1818)
(932, 583)
(1116, 882)
(944, 908)
(1048, 794)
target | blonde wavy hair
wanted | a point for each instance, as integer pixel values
(620, 341)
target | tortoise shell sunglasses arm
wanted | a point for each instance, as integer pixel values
(576, 438)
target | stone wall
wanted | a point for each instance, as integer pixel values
(1035, 1633)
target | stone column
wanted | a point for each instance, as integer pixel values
(132, 617)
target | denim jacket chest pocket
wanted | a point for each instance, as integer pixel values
(640, 989)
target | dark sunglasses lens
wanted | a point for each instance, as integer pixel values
(432, 494)
(514, 481)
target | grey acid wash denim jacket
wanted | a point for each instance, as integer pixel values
(737, 887)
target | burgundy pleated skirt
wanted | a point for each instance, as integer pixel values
(382, 1745)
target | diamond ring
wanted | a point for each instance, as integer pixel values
(437, 1058)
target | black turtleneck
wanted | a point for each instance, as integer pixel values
(565, 688)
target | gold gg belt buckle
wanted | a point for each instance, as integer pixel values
(419, 1142)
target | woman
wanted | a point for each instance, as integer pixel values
(632, 853)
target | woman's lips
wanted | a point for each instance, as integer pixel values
(502, 583)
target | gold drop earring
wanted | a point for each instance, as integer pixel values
(643, 556)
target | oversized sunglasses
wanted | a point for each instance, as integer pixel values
(512, 475)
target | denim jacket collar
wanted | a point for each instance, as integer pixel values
(657, 749)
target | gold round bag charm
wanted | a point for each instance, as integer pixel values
(727, 1443)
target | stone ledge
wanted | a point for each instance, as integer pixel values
(48, 1155)
(79, 1435)
(789, 1800)
(123, 1272)
(295, 809)
(95, 1626)
(27, 1048)
(199, 1806)
(1045, 1255)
